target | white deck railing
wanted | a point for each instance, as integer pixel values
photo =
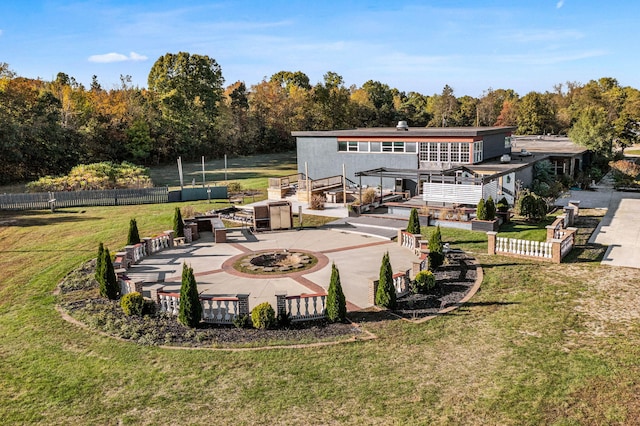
(306, 307)
(219, 310)
(524, 247)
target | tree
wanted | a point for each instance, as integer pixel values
(190, 312)
(178, 224)
(593, 131)
(99, 275)
(490, 208)
(414, 222)
(436, 252)
(481, 210)
(108, 283)
(336, 303)
(535, 115)
(386, 291)
(133, 237)
(531, 206)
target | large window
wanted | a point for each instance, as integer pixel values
(477, 152)
(364, 146)
(444, 152)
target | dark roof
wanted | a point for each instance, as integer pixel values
(412, 132)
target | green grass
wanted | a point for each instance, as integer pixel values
(632, 151)
(524, 230)
(539, 344)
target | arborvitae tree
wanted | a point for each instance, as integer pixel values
(134, 236)
(109, 283)
(436, 252)
(386, 292)
(481, 210)
(336, 303)
(190, 312)
(178, 224)
(414, 222)
(100, 264)
(490, 209)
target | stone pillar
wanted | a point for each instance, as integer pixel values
(187, 234)
(400, 236)
(491, 242)
(576, 207)
(153, 292)
(415, 268)
(148, 245)
(551, 230)
(281, 303)
(243, 304)
(556, 255)
(373, 288)
(569, 214)
(170, 233)
(130, 253)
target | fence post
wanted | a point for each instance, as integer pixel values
(281, 303)
(171, 236)
(153, 292)
(491, 242)
(243, 304)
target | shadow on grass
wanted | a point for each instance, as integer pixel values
(42, 218)
(371, 316)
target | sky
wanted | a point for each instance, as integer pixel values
(411, 45)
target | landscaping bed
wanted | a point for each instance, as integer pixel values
(78, 296)
(453, 282)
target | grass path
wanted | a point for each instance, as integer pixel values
(539, 344)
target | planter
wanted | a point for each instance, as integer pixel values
(505, 217)
(485, 225)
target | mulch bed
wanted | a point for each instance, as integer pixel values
(453, 282)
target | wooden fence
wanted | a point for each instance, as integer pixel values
(109, 197)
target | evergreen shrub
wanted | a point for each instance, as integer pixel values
(263, 316)
(386, 292)
(424, 281)
(414, 222)
(336, 302)
(132, 304)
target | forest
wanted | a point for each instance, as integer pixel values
(47, 127)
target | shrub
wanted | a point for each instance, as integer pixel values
(263, 316)
(481, 210)
(316, 202)
(283, 319)
(148, 307)
(503, 205)
(533, 207)
(234, 187)
(99, 275)
(369, 196)
(424, 281)
(414, 222)
(386, 292)
(436, 252)
(108, 282)
(190, 312)
(242, 321)
(132, 304)
(178, 224)
(336, 303)
(133, 237)
(490, 209)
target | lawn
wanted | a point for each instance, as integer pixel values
(539, 344)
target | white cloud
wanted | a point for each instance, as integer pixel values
(559, 4)
(116, 57)
(1, 32)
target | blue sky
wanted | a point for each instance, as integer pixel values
(410, 45)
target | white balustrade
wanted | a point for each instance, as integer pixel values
(401, 283)
(306, 307)
(566, 245)
(169, 303)
(220, 310)
(524, 247)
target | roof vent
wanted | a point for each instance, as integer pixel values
(402, 125)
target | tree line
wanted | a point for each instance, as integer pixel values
(47, 127)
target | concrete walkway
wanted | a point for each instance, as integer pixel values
(619, 228)
(358, 258)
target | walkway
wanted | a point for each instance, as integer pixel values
(620, 227)
(358, 258)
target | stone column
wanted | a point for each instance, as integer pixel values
(153, 292)
(491, 242)
(170, 233)
(569, 214)
(556, 255)
(243, 304)
(130, 256)
(281, 303)
(576, 207)
(148, 245)
(551, 231)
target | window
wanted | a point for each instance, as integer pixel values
(433, 151)
(507, 142)
(455, 152)
(398, 147)
(477, 152)
(387, 146)
(464, 153)
(410, 147)
(342, 146)
(363, 146)
(353, 146)
(374, 146)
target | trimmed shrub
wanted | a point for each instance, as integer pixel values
(178, 224)
(336, 303)
(132, 304)
(424, 281)
(99, 275)
(190, 312)
(481, 210)
(134, 236)
(502, 205)
(414, 222)
(386, 292)
(242, 321)
(533, 207)
(490, 209)
(108, 282)
(436, 252)
(263, 316)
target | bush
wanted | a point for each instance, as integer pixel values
(316, 202)
(134, 236)
(132, 304)
(178, 224)
(481, 210)
(490, 209)
(414, 222)
(386, 292)
(283, 319)
(190, 312)
(533, 207)
(108, 282)
(369, 196)
(424, 281)
(436, 252)
(242, 321)
(263, 316)
(336, 303)
(234, 187)
(503, 205)
(149, 307)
